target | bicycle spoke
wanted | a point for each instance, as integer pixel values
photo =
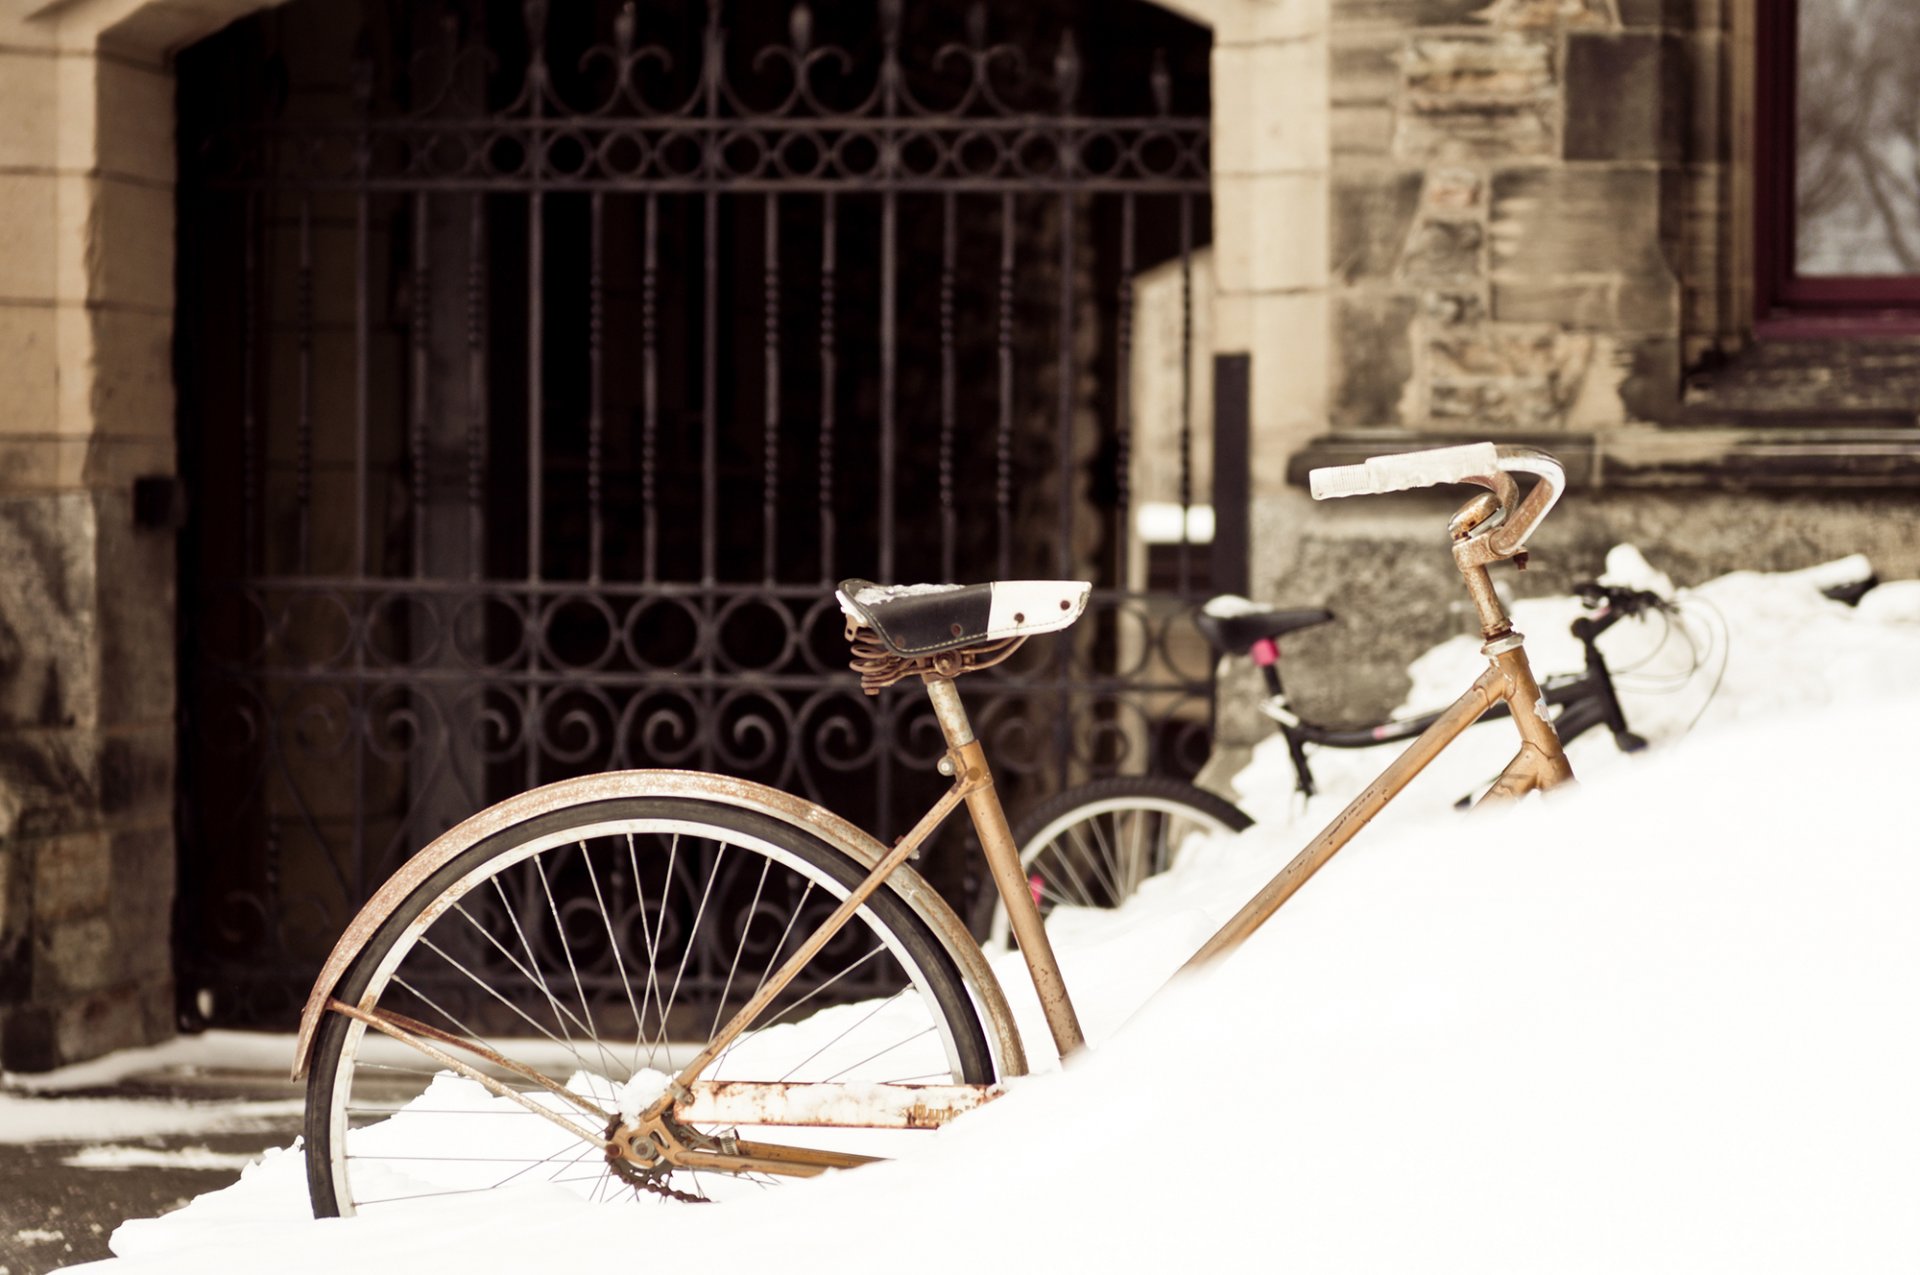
(566, 947)
(613, 943)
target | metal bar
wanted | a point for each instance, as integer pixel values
(1186, 386)
(1003, 439)
(650, 390)
(840, 1106)
(410, 1035)
(1123, 398)
(1064, 372)
(729, 184)
(1232, 457)
(709, 391)
(1003, 862)
(249, 386)
(1486, 690)
(362, 413)
(362, 378)
(949, 516)
(596, 390)
(476, 388)
(303, 430)
(536, 380)
(770, 479)
(419, 322)
(828, 377)
(889, 372)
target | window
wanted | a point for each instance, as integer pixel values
(1837, 166)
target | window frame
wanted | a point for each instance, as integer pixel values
(1785, 303)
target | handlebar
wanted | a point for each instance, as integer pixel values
(1611, 603)
(1480, 464)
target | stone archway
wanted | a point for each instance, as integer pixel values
(88, 497)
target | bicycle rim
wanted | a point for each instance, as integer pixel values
(603, 946)
(1093, 847)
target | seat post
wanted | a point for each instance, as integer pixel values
(1003, 862)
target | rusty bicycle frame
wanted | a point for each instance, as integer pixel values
(1491, 527)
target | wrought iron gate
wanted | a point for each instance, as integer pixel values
(541, 372)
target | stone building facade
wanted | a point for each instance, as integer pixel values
(1434, 220)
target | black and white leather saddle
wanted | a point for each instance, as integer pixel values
(915, 620)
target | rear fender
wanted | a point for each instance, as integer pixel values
(1002, 1035)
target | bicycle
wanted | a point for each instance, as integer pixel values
(546, 915)
(1093, 844)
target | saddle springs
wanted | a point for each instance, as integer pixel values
(880, 667)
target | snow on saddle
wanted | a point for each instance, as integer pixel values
(917, 620)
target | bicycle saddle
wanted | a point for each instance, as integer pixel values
(1234, 624)
(913, 620)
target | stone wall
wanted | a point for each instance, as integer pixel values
(1536, 236)
(1513, 188)
(87, 634)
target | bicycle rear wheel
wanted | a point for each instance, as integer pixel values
(1092, 845)
(602, 945)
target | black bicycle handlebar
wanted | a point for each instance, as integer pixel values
(1611, 603)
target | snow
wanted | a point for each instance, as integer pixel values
(127, 1157)
(1668, 1020)
(67, 1119)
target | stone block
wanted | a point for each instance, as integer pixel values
(1627, 98)
(71, 877)
(130, 249)
(117, 1018)
(29, 203)
(1374, 345)
(1477, 66)
(29, 103)
(130, 393)
(1477, 96)
(1575, 221)
(29, 369)
(1270, 232)
(1581, 304)
(1261, 21)
(135, 107)
(1704, 74)
(72, 957)
(1366, 66)
(1444, 249)
(137, 607)
(1650, 378)
(136, 770)
(1453, 306)
(1454, 190)
(1271, 108)
(1373, 211)
(47, 620)
(1509, 378)
(1548, 14)
(1362, 130)
(1674, 15)
(1407, 13)
(141, 899)
(1648, 303)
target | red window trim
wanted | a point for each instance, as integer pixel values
(1786, 304)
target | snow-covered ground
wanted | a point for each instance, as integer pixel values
(1667, 1021)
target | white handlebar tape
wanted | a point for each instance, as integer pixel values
(1405, 471)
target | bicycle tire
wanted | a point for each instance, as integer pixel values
(1093, 844)
(525, 927)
